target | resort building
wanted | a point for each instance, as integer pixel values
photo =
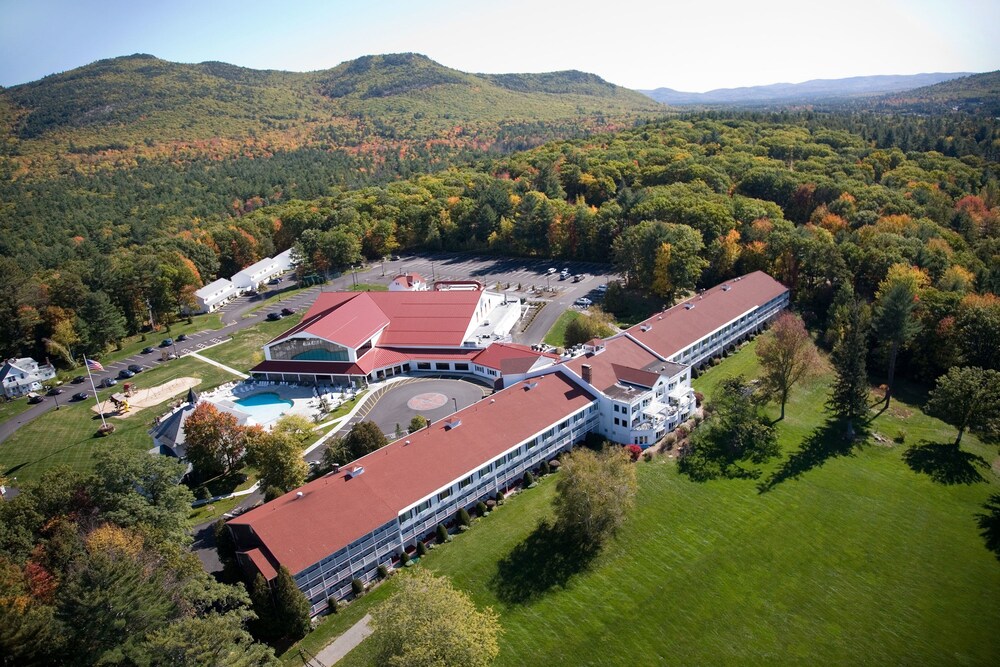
(260, 272)
(215, 295)
(356, 337)
(20, 376)
(633, 387)
(408, 282)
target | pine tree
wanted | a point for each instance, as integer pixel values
(849, 400)
(263, 606)
(895, 326)
(291, 606)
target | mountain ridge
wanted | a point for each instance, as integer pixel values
(814, 89)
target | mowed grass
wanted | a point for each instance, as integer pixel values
(245, 349)
(557, 334)
(67, 436)
(854, 559)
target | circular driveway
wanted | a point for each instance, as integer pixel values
(426, 396)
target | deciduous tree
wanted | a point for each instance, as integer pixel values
(967, 398)
(429, 623)
(595, 493)
(787, 356)
(895, 322)
(364, 438)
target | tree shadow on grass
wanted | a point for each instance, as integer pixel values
(945, 463)
(546, 559)
(989, 524)
(827, 441)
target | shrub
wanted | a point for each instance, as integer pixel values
(699, 398)
(383, 572)
(634, 451)
(698, 419)
(528, 479)
(418, 422)
(421, 548)
(900, 436)
(490, 505)
(670, 439)
(202, 493)
(544, 469)
(332, 606)
(272, 492)
(647, 456)
(481, 508)
(463, 529)
(404, 558)
(442, 533)
(682, 431)
(499, 497)
(462, 517)
(554, 464)
(357, 587)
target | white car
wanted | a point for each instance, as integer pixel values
(551, 271)
(583, 301)
(602, 288)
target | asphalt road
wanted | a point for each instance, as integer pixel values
(240, 313)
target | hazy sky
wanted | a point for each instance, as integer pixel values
(692, 46)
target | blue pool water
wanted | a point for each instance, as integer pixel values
(265, 408)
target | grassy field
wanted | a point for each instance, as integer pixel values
(557, 334)
(67, 436)
(835, 556)
(245, 350)
(12, 408)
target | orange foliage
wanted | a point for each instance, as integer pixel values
(114, 541)
(40, 582)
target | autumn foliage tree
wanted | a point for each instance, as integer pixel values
(215, 441)
(595, 493)
(787, 356)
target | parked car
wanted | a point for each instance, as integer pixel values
(563, 276)
(181, 338)
(602, 288)
(274, 281)
(125, 374)
(287, 311)
(171, 355)
(551, 271)
(166, 342)
(81, 396)
(583, 301)
(578, 277)
(273, 317)
(34, 398)
(78, 379)
(135, 368)
(147, 350)
(108, 382)
(55, 391)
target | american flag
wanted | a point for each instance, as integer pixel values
(94, 365)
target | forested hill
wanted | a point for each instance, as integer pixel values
(141, 106)
(807, 91)
(979, 94)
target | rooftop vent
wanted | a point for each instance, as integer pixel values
(688, 306)
(299, 494)
(492, 401)
(530, 386)
(645, 327)
(355, 471)
(660, 317)
(406, 443)
(726, 288)
(454, 423)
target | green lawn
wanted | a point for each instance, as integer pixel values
(833, 557)
(67, 436)
(557, 334)
(369, 287)
(12, 408)
(245, 350)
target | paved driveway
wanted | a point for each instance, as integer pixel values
(433, 399)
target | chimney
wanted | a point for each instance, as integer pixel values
(587, 375)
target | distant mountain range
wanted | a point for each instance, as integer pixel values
(816, 89)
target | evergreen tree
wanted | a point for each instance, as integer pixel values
(290, 606)
(849, 399)
(895, 325)
(265, 626)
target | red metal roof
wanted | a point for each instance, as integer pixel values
(309, 367)
(674, 329)
(426, 318)
(408, 280)
(262, 564)
(334, 510)
(619, 351)
(496, 354)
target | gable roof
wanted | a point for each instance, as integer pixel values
(511, 357)
(336, 509)
(619, 352)
(671, 331)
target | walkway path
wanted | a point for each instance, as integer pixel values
(346, 642)
(218, 365)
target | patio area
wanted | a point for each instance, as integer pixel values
(263, 402)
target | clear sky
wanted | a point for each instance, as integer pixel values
(691, 46)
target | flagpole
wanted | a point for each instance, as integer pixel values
(100, 410)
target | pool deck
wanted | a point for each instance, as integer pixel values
(305, 400)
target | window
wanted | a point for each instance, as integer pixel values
(442, 366)
(465, 482)
(422, 506)
(617, 408)
(510, 457)
(485, 470)
(423, 365)
(617, 421)
(444, 494)
(461, 367)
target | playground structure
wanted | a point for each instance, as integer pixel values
(120, 399)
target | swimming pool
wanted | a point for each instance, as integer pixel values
(264, 408)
